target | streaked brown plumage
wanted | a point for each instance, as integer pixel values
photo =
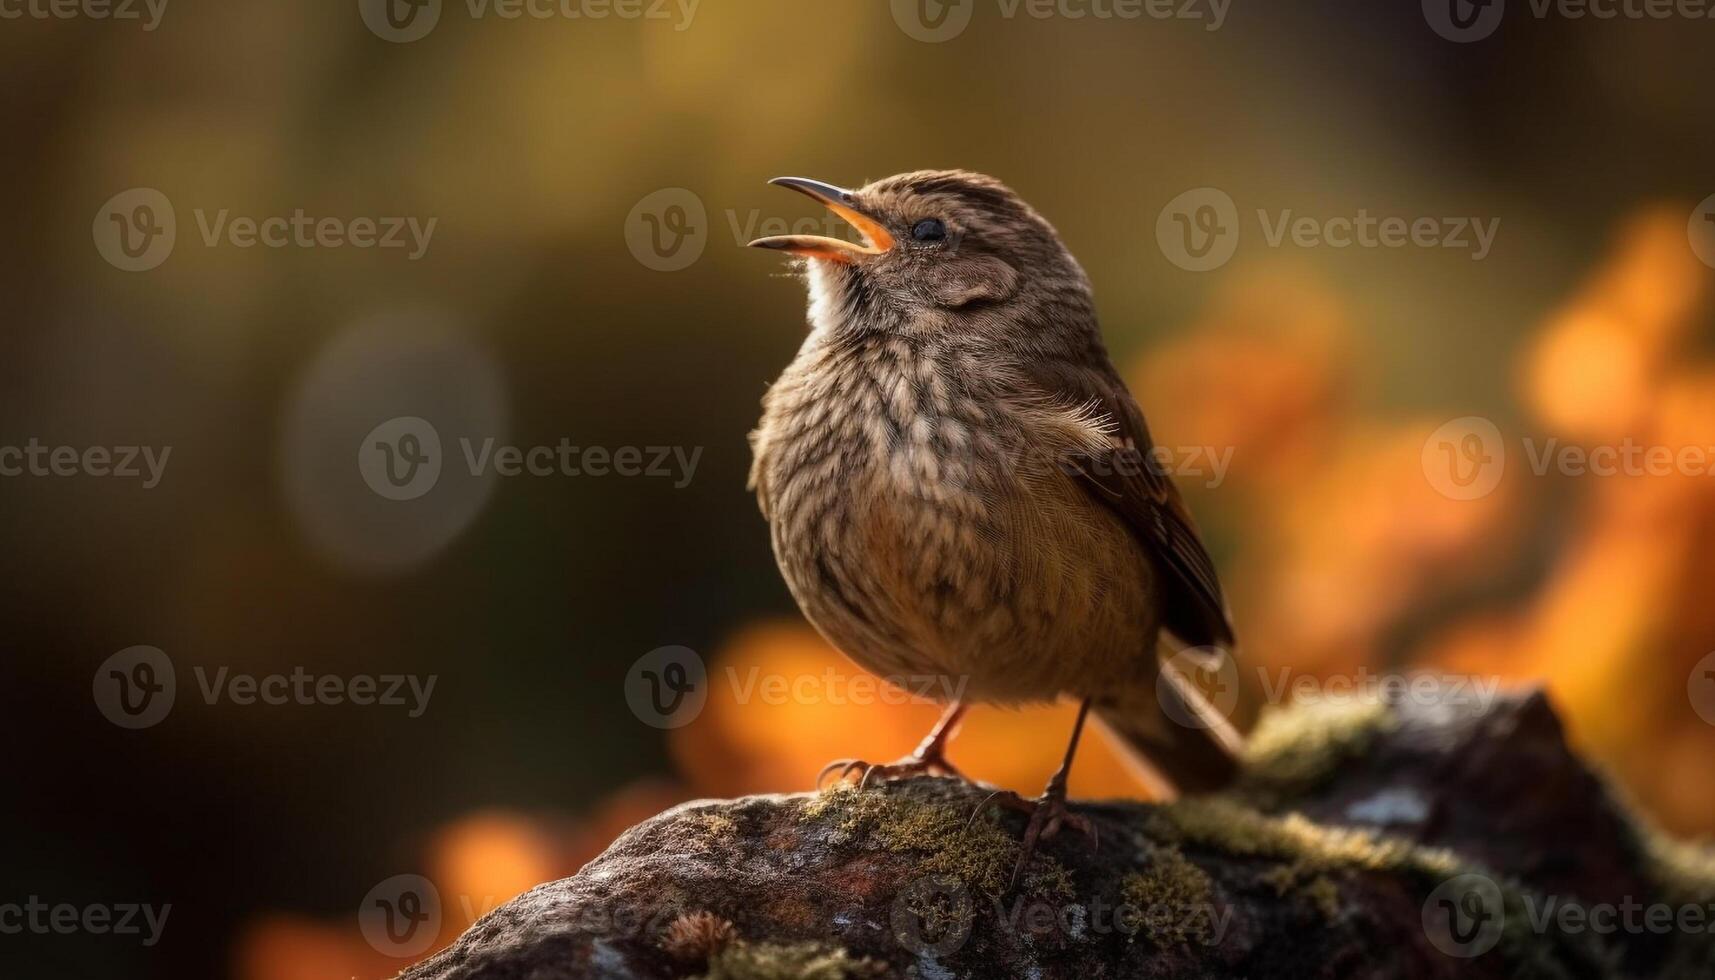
(957, 479)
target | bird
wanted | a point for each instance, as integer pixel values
(959, 485)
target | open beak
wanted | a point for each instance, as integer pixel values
(838, 200)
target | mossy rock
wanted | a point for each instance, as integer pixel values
(1332, 857)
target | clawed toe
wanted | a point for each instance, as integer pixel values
(1048, 816)
(930, 759)
(845, 767)
(869, 773)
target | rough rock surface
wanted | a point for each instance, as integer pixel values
(1405, 840)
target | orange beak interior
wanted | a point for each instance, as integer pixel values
(877, 239)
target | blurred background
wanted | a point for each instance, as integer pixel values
(591, 181)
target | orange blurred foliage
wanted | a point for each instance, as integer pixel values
(1343, 546)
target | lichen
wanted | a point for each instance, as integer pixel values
(1297, 878)
(1295, 749)
(1171, 899)
(967, 847)
(712, 829)
(1324, 893)
(696, 937)
(1311, 851)
(1684, 869)
(1239, 830)
(716, 824)
(793, 961)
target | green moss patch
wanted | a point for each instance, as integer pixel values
(1296, 749)
(1171, 884)
(1236, 829)
(967, 847)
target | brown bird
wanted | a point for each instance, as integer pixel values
(960, 486)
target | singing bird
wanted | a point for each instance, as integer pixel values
(959, 485)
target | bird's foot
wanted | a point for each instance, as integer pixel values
(866, 773)
(1048, 816)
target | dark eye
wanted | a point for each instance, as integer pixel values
(929, 230)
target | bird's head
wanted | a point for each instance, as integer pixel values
(940, 248)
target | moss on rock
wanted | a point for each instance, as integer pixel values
(1169, 881)
(1295, 749)
(794, 961)
(967, 847)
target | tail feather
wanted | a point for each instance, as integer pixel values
(1178, 741)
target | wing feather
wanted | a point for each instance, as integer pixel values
(1124, 474)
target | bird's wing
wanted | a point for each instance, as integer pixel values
(1123, 473)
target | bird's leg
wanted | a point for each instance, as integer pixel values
(929, 758)
(1050, 813)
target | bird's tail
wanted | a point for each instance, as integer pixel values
(1178, 737)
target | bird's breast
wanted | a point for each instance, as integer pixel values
(923, 528)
